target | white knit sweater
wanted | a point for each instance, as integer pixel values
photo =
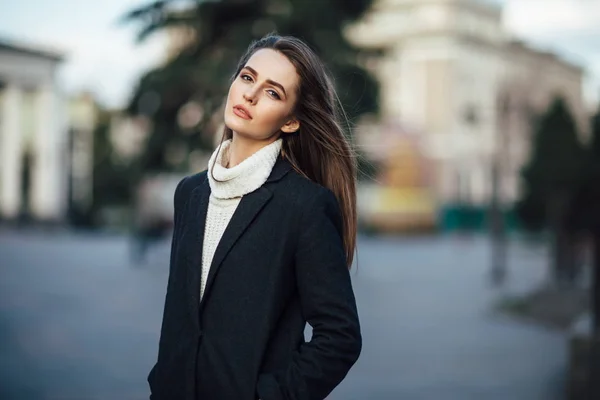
(225, 195)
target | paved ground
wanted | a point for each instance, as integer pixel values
(77, 321)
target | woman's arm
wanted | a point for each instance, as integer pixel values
(328, 303)
(179, 200)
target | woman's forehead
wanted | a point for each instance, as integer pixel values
(273, 65)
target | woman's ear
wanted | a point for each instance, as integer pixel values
(291, 126)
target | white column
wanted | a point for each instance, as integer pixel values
(47, 192)
(412, 91)
(11, 148)
(62, 112)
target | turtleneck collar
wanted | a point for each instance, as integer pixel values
(245, 177)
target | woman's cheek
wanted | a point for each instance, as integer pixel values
(274, 114)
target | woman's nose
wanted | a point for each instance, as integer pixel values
(250, 96)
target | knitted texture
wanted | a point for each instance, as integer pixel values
(228, 187)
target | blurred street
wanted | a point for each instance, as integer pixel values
(78, 321)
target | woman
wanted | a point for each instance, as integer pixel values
(263, 242)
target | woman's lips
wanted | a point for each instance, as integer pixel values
(240, 112)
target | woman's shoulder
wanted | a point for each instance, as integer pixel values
(310, 200)
(186, 186)
(304, 192)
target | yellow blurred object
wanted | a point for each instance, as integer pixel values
(407, 200)
(404, 165)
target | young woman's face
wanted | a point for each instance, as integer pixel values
(262, 97)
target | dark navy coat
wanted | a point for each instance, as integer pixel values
(279, 264)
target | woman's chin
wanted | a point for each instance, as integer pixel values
(236, 124)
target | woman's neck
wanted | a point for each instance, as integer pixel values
(242, 148)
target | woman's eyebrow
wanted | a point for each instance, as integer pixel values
(272, 82)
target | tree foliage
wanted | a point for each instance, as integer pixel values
(557, 152)
(584, 210)
(555, 166)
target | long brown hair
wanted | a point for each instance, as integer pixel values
(320, 150)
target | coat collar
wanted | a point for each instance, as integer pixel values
(282, 166)
(250, 205)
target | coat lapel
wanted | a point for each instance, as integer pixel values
(198, 209)
(246, 211)
(249, 207)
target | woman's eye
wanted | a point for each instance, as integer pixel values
(247, 78)
(273, 94)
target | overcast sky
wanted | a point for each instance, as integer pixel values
(103, 56)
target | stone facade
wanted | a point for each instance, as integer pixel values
(33, 140)
(449, 71)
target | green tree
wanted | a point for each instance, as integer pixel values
(113, 179)
(551, 177)
(218, 32)
(585, 206)
(584, 219)
(591, 206)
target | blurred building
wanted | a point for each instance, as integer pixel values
(33, 135)
(453, 74)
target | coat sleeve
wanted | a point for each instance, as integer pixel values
(179, 200)
(328, 303)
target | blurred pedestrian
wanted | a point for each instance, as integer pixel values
(263, 243)
(150, 223)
